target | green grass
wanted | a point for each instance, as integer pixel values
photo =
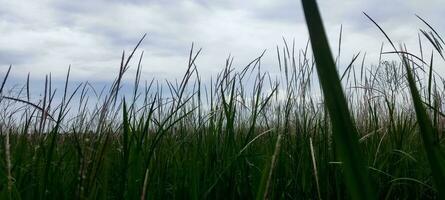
(376, 132)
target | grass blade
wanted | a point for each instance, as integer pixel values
(435, 156)
(263, 192)
(344, 131)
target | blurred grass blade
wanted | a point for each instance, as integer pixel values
(344, 131)
(435, 156)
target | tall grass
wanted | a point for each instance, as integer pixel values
(376, 132)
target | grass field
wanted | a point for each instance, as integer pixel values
(373, 131)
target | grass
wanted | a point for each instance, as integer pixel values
(376, 131)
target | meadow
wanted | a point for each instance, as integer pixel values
(371, 131)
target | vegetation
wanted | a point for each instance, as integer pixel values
(246, 133)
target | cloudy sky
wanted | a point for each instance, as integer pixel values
(48, 35)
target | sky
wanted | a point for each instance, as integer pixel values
(46, 36)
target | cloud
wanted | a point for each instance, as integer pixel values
(48, 36)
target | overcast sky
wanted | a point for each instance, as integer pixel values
(47, 36)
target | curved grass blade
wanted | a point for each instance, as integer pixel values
(435, 155)
(344, 131)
